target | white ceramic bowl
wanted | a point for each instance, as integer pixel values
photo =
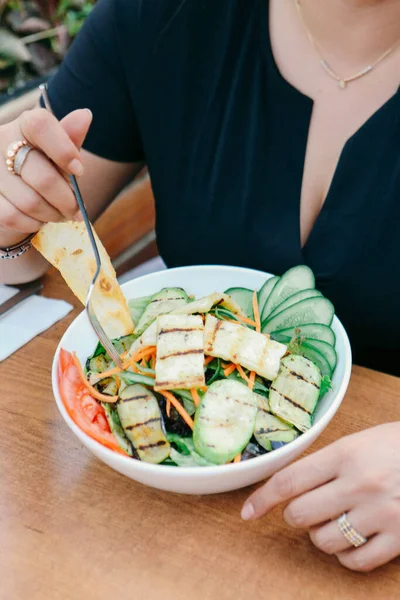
(200, 281)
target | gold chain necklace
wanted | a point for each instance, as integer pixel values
(342, 81)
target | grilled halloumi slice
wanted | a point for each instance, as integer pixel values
(202, 306)
(180, 352)
(243, 346)
(205, 304)
(148, 338)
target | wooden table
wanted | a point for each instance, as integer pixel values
(73, 529)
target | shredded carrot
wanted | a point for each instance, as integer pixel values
(252, 379)
(168, 408)
(109, 373)
(256, 311)
(229, 370)
(195, 396)
(246, 320)
(208, 360)
(242, 373)
(92, 390)
(153, 361)
(118, 381)
(241, 318)
(176, 404)
(141, 353)
(237, 458)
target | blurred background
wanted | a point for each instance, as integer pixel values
(34, 37)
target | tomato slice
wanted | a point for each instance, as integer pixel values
(84, 410)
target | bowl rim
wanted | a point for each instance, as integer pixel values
(269, 457)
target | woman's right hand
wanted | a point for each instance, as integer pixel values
(42, 193)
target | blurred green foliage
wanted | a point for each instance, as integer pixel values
(34, 37)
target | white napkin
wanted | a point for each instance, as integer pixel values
(26, 320)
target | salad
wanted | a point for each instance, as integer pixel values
(208, 381)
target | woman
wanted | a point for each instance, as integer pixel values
(270, 142)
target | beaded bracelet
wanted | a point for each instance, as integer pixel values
(18, 249)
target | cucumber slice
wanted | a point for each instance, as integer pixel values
(294, 280)
(295, 392)
(327, 351)
(142, 423)
(129, 378)
(317, 358)
(281, 337)
(244, 298)
(165, 301)
(224, 421)
(297, 297)
(266, 290)
(313, 310)
(313, 353)
(270, 429)
(312, 331)
(137, 307)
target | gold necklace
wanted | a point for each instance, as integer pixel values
(342, 81)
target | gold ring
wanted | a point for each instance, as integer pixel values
(14, 161)
(352, 535)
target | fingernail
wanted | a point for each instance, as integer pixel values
(76, 167)
(247, 511)
(89, 111)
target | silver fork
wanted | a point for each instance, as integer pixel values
(101, 334)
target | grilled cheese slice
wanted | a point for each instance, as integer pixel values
(180, 352)
(205, 304)
(243, 346)
(67, 247)
(202, 305)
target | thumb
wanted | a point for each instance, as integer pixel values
(76, 124)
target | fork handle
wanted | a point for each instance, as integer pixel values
(75, 187)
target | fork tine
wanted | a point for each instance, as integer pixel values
(101, 334)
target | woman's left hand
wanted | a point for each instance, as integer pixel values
(358, 475)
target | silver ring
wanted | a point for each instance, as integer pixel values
(20, 158)
(352, 535)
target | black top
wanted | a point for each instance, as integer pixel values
(191, 87)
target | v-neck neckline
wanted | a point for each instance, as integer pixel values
(279, 79)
